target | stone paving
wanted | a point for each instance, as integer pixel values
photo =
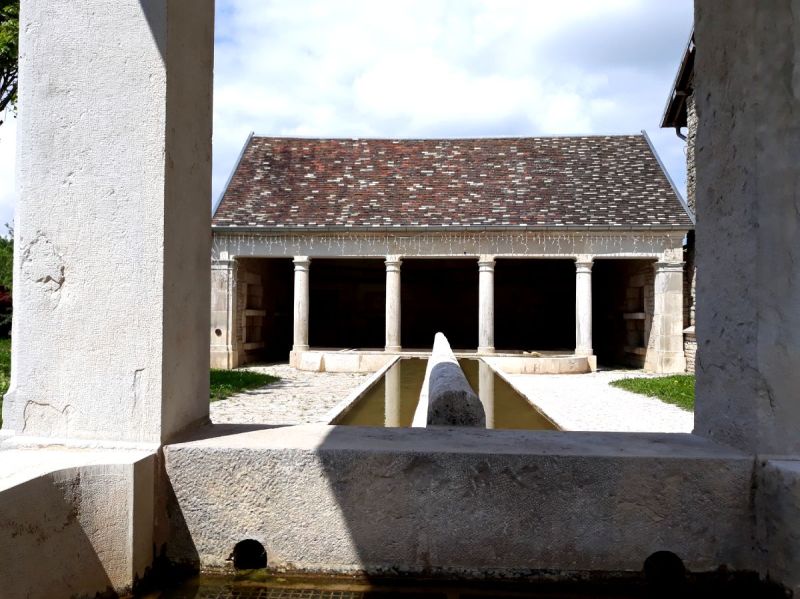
(577, 402)
(300, 397)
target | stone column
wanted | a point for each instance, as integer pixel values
(583, 306)
(224, 341)
(301, 266)
(665, 347)
(392, 398)
(393, 303)
(486, 391)
(486, 304)
(112, 228)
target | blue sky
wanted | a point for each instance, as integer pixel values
(436, 68)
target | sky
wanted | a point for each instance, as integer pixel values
(435, 68)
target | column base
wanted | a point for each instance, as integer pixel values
(488, 349)
(665, 362)
(583, 352)
(393, 348)
(224, 359)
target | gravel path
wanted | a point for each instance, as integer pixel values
(586, 402)
(299, 397)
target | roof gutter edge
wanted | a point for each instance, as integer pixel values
(678, 194)
(233, 229)
(233, 172)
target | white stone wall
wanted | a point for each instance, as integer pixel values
(111, 284)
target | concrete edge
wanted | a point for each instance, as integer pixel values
(341, 409)
(541, 411)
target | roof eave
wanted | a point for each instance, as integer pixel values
(234, 229)
(675, 110)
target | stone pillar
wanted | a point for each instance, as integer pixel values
(583, 306)
(224, 342)
(112, 227)
(486, 391)
(392, 397)
(665, 347)
(486, 305)
(393, 303)
(748, 222)
(301, 266)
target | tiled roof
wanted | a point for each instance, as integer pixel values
(378, 183)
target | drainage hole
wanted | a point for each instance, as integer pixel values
(249, 555)
(664, 572)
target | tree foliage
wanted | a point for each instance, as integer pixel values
(9, 54)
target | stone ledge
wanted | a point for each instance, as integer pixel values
(350, 499)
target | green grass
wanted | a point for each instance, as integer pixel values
(677, 389)
(225, 383)
(5, 371)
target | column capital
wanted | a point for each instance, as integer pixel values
(223, 264)
(301, 262)
(486, 262)
(668, 266)
(584, 263)
(393, 263)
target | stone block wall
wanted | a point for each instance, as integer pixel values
(639, 283)
(691, 137)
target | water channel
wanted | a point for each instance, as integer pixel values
(393, 399)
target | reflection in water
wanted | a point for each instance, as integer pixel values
(486, 391)
(392, 401)
(392, 381)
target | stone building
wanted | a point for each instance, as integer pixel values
(343, 252)
(681, 113)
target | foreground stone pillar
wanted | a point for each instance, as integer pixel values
(301, 266)
(583, 306)
(486, 304)
(393, 308)
(224, 343)
(665, 348)
(112, 227)
(748, 219)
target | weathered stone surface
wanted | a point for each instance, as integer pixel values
(446, 398)
(460, 500)
(778, 513)
(74, 523)
(748, 225)
(111, 276)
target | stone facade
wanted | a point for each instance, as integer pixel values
(657, 350)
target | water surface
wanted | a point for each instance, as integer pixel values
(393, 399)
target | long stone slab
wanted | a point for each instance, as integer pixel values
(446, 397)
(458, 501)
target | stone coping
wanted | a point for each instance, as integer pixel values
(21, 465)
(313, 437)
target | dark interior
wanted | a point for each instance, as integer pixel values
(347, 303)
(621, 292)
(534, 305)
(273, 297)
(439, 296)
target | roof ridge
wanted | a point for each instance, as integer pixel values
(473, 138)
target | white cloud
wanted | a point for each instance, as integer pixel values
(431, 68)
